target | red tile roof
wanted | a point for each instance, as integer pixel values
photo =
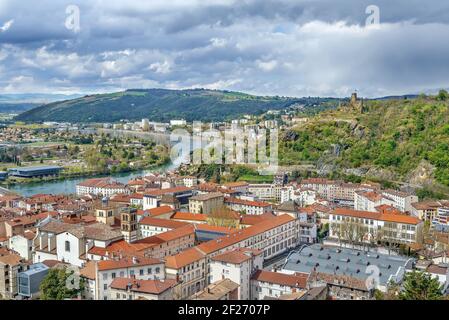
(143, 286)
(189, 216)
(165, 223)
(398, 218)
(184, 258)
(126, 262)
(298, 280)
(247, 202)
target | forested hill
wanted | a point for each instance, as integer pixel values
(159, 105)
(396, 140)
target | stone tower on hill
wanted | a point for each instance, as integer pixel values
(354, 105)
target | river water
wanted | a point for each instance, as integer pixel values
(68, 186)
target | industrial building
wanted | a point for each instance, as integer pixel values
(33, 172)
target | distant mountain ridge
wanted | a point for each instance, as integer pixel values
(159, 105)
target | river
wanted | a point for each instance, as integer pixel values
(68, 186)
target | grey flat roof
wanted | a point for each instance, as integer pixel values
(37, 168)
(345, 261)
(35, 268)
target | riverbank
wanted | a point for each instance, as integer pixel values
(10, 182)
(68, 185)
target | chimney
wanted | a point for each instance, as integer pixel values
(135, 261)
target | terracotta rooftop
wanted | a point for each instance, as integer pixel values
(216, 290)
(247, 202)
(165, 223)
(126, 262)
(187, 216)
(143, 286)
(184, 258)
(398, 218)
(160, 192)
(207, 196)
(237, 256)
(241, 235)
(11, 259)
(298, 280)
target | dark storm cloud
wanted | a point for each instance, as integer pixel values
(284, 47)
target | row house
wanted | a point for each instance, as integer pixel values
(206, 203)
(247, 206)
(426, 210)
(272, 236)
(369, 200)
(103, 273)
(10, 266)
(365, 226)
(101, 186)
(152, 199)
(149, 226)
(237, 265)
(268, 284)
(135, 289)
(401, 200)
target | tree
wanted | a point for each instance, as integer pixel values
(421, 286)
(443, 95)
(59, 285)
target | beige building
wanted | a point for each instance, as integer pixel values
(107, 212)
(10, 266)
(206, 203)
(132, 289)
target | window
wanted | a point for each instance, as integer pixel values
(149, 270)
(67, 246)
(105, 286)
(113, 275)
(105, 276)
(131, 272)
(158, 270)
(122, 274)
(141, 272)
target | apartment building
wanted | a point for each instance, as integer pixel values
(273, 236)
(247, 206)
(168, 243)
(365, 226)
(134, 266)
(149, 226)
(10, 266)
(224, 289)
(401, 200)
(206, 203)
(237, 265)
(189, 269)
(262, 191)
(22, 244)
(238, 186)
(134, 289)
(427, 210)
(336, 191)
(101, 186)
(268, 284)
(368, 200)
(152, 199)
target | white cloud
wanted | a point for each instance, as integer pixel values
(267, 65)
(6, 26)
(283, 47)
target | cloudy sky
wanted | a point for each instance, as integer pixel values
(269, 47)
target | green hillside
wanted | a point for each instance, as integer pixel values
(397, 140)
(157, 105)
